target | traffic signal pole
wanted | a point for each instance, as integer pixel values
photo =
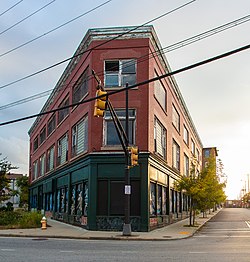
(127, 189)
(124, 139)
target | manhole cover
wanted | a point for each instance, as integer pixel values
(39, 239)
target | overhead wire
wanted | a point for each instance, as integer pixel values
(93, 48)
(52, 30)
(27, 99)
(183, 69)
(10, 8)
(164, 50)
(25, 18)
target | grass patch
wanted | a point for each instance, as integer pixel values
(19, 219)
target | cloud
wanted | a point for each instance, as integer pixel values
(16, 151)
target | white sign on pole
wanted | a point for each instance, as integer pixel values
(127, 190)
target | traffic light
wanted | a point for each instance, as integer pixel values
(100, 103)
(134, 156)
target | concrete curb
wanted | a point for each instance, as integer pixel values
(172, 234)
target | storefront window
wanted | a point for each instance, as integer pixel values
(66, 200)
(58, 201)
(159, 200)
(164, 200)
(152, 199)
(49, 202)
(73, 203)
(79, 199)
(62, 197)
(86, 200)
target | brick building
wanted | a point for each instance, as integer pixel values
(76, 160)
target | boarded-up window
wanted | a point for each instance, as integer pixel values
(42, 165)
(102, 201)
(175, 118)
(176, 155)
(50, 159)
(160, 134)
(80, 137)
(62, 152)
(35, 170)
(160, 93)
(116, 198)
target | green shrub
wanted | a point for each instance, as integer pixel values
(30, 220)
(8, 218)
(20, 219)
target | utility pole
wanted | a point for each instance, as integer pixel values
(127, 189)
(101, 103)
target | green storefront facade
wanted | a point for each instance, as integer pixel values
(89, 192)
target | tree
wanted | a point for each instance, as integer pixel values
(204, 189)
(191, 185)
(5, 191)
(23, 185)
(213, 193)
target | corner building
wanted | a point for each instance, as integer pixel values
(77, 165)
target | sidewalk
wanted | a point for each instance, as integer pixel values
(56, 229)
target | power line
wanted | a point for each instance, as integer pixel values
(89, 50)
(54, 29)
(169, 48)
(10, 8)
(183, 69)
(25, 18)
(27, 99)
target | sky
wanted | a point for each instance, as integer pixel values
(216, 94)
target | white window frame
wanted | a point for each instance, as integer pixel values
(121, 116)
(120, 74)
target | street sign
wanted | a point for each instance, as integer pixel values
(127, 190)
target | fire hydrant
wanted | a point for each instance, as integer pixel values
(44, 223)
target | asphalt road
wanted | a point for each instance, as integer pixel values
(224, 238)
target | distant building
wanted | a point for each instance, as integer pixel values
(209, 153)
(76, 160)
(15, 200)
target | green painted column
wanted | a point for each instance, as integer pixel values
(92, 198)
(144, 193)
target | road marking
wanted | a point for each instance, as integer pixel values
(66, 251)
(7, 249)
(223, 236)
(197, 252)
(248, 223)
